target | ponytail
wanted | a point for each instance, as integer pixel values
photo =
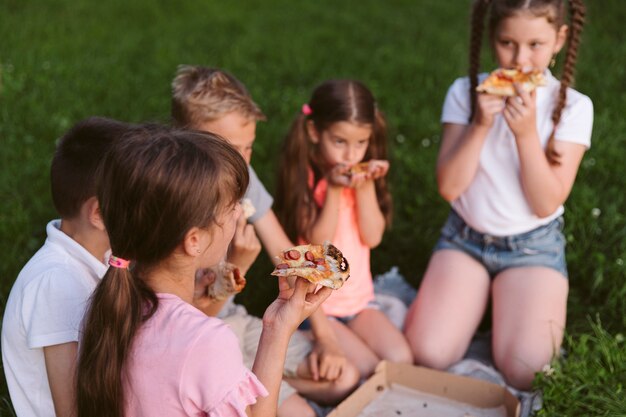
(119, 305)
(154, 186)
(296, 207)
(479, 10)
(577, 18)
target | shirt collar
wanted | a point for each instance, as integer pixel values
(74, 249)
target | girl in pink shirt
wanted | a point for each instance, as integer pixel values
(170, 201)
(320, 197)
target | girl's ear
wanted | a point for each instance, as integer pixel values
(194, 241)
(561, 37)
(312, 131)
(93, 213)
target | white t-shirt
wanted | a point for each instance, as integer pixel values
(45, 308)
(495, 203)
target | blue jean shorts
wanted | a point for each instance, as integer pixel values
(543, 246)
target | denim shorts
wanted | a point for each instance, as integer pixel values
(543, 246)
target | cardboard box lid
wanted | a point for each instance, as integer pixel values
(463, 389)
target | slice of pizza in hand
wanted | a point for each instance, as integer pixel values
(360, 168)
(320, 264)
(500, 81)
(228, 281)
(248, 208)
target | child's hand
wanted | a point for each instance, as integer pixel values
(245, 246)
(326, 360)
(487, 106)
(520, 113)
(377, 168)
(339, 175)
(204, 278)
(293, 305)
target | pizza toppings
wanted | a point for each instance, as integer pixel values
(500, 81)
(227, 281)
(320, 264)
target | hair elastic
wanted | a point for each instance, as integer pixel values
(116, 262)
(306, 109)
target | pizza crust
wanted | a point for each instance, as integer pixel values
(228, 281)
(320, 264)
(500, 81)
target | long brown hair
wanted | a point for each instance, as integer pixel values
(554, 12)
(154, 185)
(333, 101)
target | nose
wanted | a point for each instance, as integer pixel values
(522, 57)
(351, 154)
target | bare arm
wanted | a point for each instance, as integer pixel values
(272, 235)
(461, 146)
(61, 368)
(369, 216)
(280, 320)
(325, 224)
(546, 186)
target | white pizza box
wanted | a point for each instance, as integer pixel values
(400, 390)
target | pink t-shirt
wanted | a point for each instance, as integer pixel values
(184, 363)
(358, 290)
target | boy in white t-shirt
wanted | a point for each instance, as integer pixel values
(41, 323)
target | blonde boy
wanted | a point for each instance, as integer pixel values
(213, 100)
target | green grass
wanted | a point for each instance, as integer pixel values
(63, 60)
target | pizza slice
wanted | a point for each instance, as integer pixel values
(500, 81)
(360, 168)
(320, 264)
(227, 281)
(248, 208)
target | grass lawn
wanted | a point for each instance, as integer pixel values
(63, 60)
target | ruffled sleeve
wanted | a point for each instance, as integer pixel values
(214, 379)
(235, 402)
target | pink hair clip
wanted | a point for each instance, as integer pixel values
(116, 262)
(306, 109)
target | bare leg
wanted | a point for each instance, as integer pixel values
(387, 342)
(295, 405)
(529, 310)
(449, 306)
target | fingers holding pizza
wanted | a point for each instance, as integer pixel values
(507, 90)
(357, 174)
(322, 265)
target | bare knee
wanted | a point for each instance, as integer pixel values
(367, 367)
(295, 405)
(348, 380)
(343, 386)
(519, 363)
(400, 353)
(433, 354)
(517, 372)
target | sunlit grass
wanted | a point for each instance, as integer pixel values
(61, 61)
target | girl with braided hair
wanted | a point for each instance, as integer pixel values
(507, 165)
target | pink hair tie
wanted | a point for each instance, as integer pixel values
(116, 262)
(306, 109)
